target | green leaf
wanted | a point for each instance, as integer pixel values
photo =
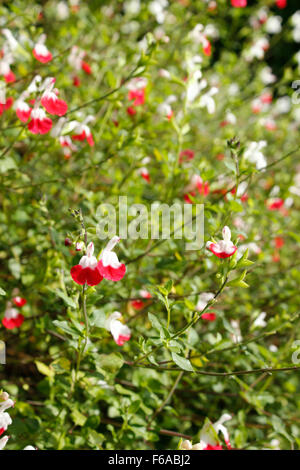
(2, 291)
(44, 369)
(182, 362)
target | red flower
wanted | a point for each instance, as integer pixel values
(137, 304)
(138, 96)
(109, 264)
(19, 301)
(281, 3)
(76, 81)
(4, 106)
(39, 123)
(279, 242)
(54, 105)
(131, 111)
(209, 316)
(23, 111)
(224, 248)
(206, 47)
(87, 271)
(239, 3)
(86, 67)
(185, 155)
(275, 203)
(10, 77)
(12, 318)
(83, 132)
(41, 53)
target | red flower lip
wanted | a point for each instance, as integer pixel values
(110, 273)
(54, 105)
(42, 58)
(222, 254)
(92, 277)
(11, 323)
(19, 301)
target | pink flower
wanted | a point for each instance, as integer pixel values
(23, 111)
(19, 301)
(41, 53)
(39, 124)
(12, 318)
(224, 248)
(51, 102)
(120, 332)
(109, 264)
(87, 271)
(239, 3)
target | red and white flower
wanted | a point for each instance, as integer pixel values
(209, 436)
(137, 91)
(196, 182)
(23, 110)
(51, 102)
(275, 203)
(39, 123)
(82, 132)
(5, 419)
(12, 318)
(138, 304)
(5, 70)
(224, 248)
(88, 269)
(120, 332)
(4, 106)
(109, 264)
(186, 155)
(19, 301)
(144, 174)
(41, 52)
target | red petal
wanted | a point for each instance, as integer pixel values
(12, 323)
(42, 58)
(111, 273)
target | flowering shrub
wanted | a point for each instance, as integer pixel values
(123, 342)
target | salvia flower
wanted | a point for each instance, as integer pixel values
(51, 102)
(39, 123)
(224, 248)
(12, 318)
(109, 264)
(23, 110)
(5, 419)
(19, 301)
(209, 439)
(120, 332)
(87, 271)
(41, 52)
(82, 132)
